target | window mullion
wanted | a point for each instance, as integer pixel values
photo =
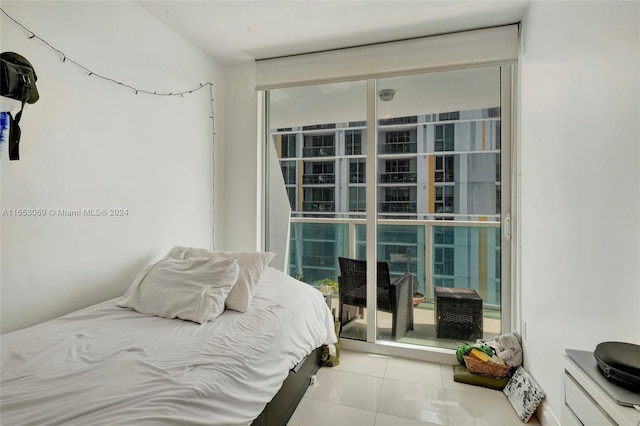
(372, 208)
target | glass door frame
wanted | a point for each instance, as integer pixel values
(509, 204)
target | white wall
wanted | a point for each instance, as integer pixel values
(91, 144)
(243, 174)
(580, 184)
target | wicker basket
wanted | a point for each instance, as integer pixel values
(486, 368)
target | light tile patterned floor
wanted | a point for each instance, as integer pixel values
(376, 390)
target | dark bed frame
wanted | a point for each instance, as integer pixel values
(279, 410)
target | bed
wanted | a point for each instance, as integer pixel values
(109, 365)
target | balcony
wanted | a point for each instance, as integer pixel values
(398, 120)
(320, 126)
(320, 178)
(447, 208)
(398, 207)
(357, 178)
(399, 148)
(319, 151)
(318, 206)
(412, 246)
(319, 261)
(398, 177)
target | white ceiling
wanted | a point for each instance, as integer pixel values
(239, 31)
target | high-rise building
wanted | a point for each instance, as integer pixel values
(443, 166)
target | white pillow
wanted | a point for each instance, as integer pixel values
(192, 289)
(182, 253)
(252, 265)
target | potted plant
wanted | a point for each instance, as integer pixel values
(418, 298)
(328, 283)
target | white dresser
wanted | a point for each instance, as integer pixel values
(586, 403)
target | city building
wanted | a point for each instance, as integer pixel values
(432, 167)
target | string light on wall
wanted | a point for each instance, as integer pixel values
(90, 73)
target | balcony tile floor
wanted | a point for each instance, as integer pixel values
(368, 389)
(424, 332)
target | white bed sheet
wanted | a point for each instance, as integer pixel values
(106, 365)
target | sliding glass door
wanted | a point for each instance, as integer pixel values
(439, 195)
(320, 138)
(407, 173)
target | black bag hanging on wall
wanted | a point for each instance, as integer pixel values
(17, 81)
(620, 363)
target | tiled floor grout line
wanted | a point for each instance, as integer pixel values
(451, 395)
(377, 408)
(341, 405)
(361, 374)
(444, 395)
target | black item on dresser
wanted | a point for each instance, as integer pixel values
(620, 363)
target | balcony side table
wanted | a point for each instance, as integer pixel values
(458, 313)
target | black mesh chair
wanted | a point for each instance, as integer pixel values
(394, 297)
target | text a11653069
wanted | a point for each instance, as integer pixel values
(65, 212)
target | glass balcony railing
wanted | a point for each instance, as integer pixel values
(318, 261)
(320, 126)
(398, 177)
(398, 148)
(460, 254)
(318, 206)
(324, 151)
(357, 178)
(309, 179)
(444, 208)
(398, 120)
(399, 207)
